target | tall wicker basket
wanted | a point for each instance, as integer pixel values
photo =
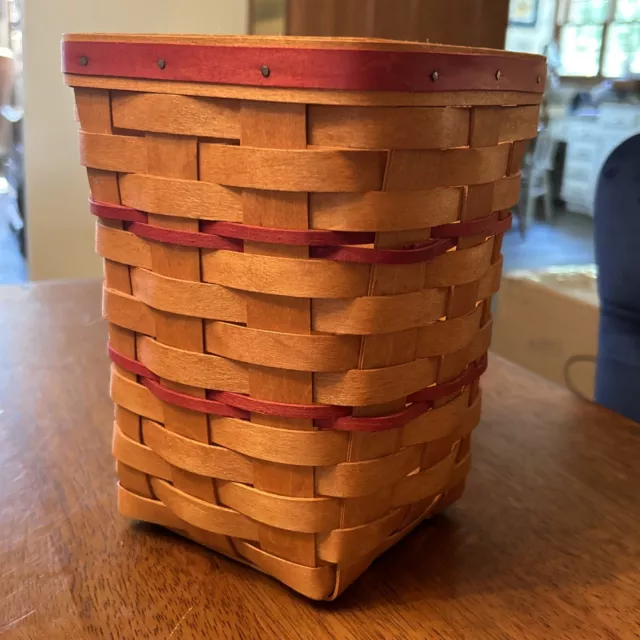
(301, 240)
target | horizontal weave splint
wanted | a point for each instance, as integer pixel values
(301, 240)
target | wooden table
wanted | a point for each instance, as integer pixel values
(544, 544)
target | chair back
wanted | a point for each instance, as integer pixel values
(543, 152)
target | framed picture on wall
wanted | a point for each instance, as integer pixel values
(523, 13)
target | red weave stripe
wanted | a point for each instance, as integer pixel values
(489, 226)
(428, 251)
(129, 364)
(283, 409)
(203, 405)
(236, 405)
(444, 389)
(230, 236)
(422, 402)
(162, 392)
(225, 400)
(503, 225)
(185, 238)
(376, 423)
(116, 212)
(338, 69)
(306, 237)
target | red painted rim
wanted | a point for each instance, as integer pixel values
(306, 68)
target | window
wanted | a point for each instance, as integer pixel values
(599, 38)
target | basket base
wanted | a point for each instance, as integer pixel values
(318, 583)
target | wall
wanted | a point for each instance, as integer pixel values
(59, 227)
(534, 39)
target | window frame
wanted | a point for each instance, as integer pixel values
(561, 20)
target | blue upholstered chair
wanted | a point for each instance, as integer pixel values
(617, 239)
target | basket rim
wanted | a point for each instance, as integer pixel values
(302, 42)
(346, 64)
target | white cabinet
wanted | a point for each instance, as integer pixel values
(590, 140)
(616, 116)
(583, 135)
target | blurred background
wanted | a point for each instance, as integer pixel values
(547, 311)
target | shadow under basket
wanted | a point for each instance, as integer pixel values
(301, 240)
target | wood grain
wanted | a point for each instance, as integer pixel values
(543, 544)
(290, 169)
(373, 44)
(176, 157)
(94, 113)
(357, 316)
(425, 20)
(269, 94)
(293, 277)
(279, 210)
(182, 115)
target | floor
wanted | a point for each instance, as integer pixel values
(13, 267)
(567, 240)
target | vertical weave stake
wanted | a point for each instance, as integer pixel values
(301, 241)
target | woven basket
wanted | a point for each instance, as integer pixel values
(301, 240)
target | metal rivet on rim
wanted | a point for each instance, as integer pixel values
(84, 61)
(162, 63)
(538, 79)
(265, 71)
(434, 76)
(498, 74)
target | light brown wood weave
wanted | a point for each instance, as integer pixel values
(310, 506)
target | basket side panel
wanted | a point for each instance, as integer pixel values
(199, 322)
(174, 156)
(282, 126)
(93, 107)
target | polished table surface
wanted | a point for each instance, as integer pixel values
(545, 543)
